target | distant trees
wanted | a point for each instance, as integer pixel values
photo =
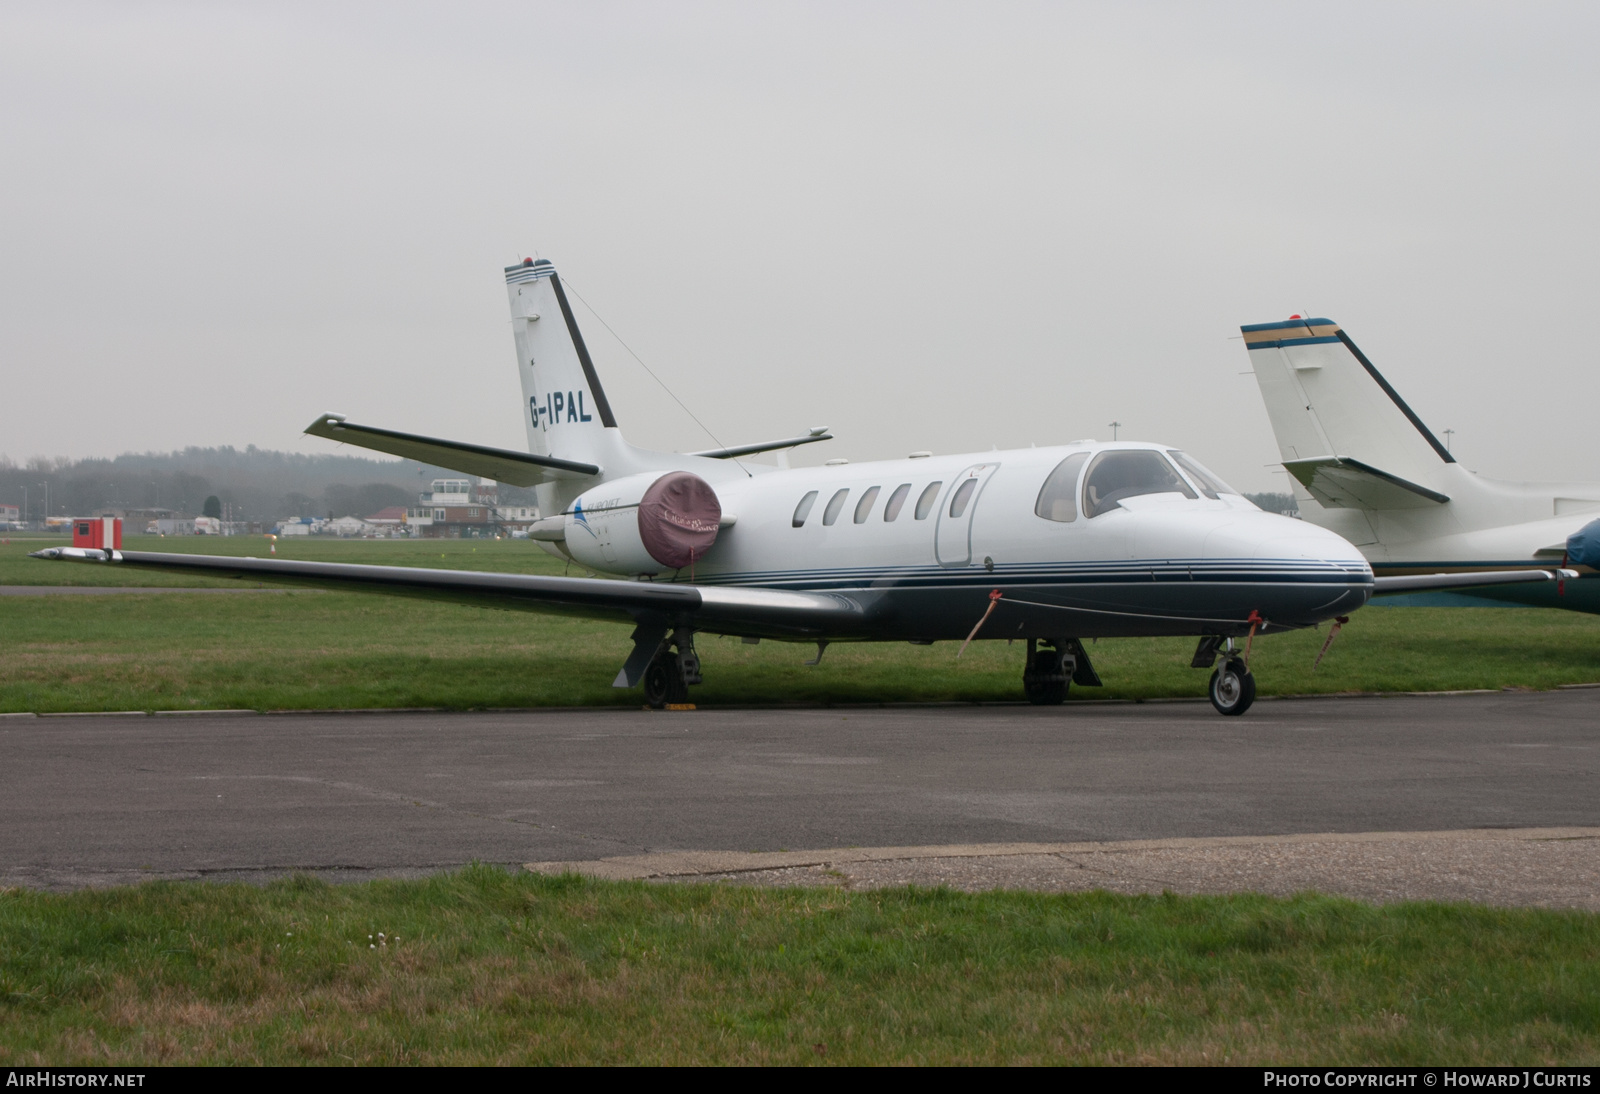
(296, 504)
(1276, 503)
(363, 501)
(213, 507)
(250, 484)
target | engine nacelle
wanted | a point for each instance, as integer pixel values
(653, 523)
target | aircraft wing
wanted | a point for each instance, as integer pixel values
(499, 464)
(760, 612)
(817, 433)
(1339, 482)
(1416, 583)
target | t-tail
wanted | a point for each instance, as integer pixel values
(574, 443)
(565, 412)
(1344, 433)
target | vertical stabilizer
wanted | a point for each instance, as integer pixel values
(1342, 431)
(564, 407)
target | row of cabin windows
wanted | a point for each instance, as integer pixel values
(891, 509)
(1113, 476)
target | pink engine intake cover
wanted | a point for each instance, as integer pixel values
(678, 519)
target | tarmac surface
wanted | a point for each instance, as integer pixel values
(1482, 797)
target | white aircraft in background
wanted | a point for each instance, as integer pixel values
(1364, 466)
(1048, 545)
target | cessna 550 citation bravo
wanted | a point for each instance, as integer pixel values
(1048, 545)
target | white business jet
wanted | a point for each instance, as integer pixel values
(1047, 545)
(1364, 466)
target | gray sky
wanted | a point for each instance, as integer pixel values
(927, 226)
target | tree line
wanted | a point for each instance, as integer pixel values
(251, 484)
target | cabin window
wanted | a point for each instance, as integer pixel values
(803, 510)
(835, 503)
(1058, 498)
(963, 494)
(864, 506)
(1208, 483)
(896, 501)
(926, 502)
(1127, 474)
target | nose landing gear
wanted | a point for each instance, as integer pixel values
(1233, 687)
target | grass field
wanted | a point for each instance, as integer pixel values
(309, 650)
(484, 966)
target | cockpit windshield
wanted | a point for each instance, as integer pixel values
(1127, 474)
(1208, 483)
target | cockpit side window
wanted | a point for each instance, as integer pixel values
(1058, 498)
(1208, 483)
(1127, 474)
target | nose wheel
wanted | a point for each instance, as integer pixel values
(1233, 687)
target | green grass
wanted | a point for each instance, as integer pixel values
(505, 556)
(485, 966)
(300, 650)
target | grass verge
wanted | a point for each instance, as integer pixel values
(485, 966)
(300, 650)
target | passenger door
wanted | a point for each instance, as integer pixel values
(953, 537)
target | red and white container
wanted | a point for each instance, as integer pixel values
(101, 532)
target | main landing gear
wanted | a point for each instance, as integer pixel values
(1051, 669)
(669, 674)
(1233, 685)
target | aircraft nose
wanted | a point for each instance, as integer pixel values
(1268, 535)
(1306, 541)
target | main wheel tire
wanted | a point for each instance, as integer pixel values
(1233, 688)
(1044, 693)
(663, 682)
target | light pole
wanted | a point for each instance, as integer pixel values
(1114, 427)
(1447, 435)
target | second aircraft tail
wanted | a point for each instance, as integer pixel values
(1343, 432)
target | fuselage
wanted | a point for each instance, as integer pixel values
(923, 543)
(1486, 524)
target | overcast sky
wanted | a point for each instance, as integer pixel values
(926, 226)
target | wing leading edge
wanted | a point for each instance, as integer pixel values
(1414, 583)
(760, 612)
(499, 464)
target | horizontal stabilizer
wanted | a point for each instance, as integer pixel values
(1339, 482)
(819, 434)
(770, 612)
(1414, 583)
(499, 464)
